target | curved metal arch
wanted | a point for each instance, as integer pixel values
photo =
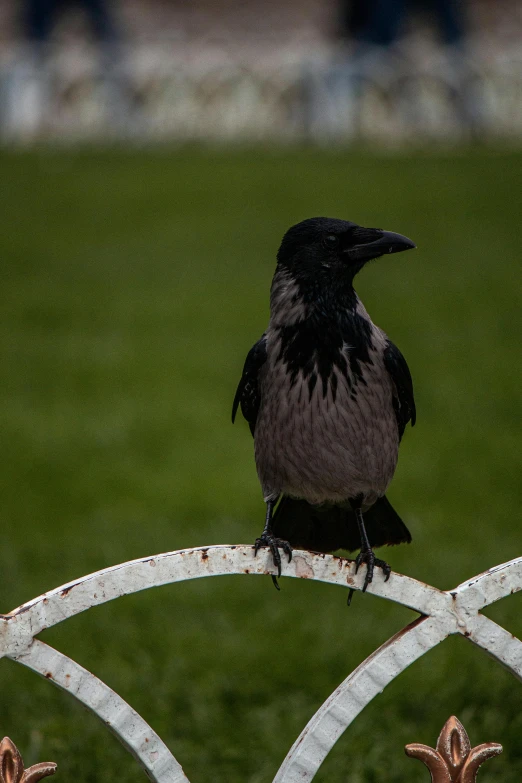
(442, 614)
(19, 626)
(490, 586)
(131, 729)
(450, 615)
(341, 708)
(370, 678)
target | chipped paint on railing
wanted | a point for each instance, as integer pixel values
(135, 734)
(442, 613)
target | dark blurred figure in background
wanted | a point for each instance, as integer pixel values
(381, 22)
(376, 56)
(45, 78)
(39, 17)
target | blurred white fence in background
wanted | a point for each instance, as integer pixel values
(170, 92)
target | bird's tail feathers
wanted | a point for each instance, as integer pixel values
(327, 528)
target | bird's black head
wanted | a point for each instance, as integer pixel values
(330, 251)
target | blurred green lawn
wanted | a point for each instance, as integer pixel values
(133, 285)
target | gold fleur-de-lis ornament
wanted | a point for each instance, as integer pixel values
(453, 760)
(12, 768)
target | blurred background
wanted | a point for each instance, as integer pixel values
(321, 70)
(152, 154)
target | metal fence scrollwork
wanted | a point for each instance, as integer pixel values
(441, 614)
(453, 760)
(12, 768)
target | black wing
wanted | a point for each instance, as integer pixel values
(247, 394)
(403, 401)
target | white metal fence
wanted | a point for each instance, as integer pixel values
(168, 92)
(441, 614)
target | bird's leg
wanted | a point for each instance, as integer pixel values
(268, 539)
(366, 554)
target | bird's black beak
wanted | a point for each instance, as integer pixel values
(368, 243)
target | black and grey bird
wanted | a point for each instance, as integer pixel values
(327, 396)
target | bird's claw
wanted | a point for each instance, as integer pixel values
(367, 556)
(274, 544)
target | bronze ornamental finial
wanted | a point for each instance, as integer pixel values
(453, 760)
(12, 767)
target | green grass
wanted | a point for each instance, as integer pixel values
(133, 285)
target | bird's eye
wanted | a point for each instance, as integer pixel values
(330, 241)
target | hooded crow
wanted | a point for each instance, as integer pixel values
(327, 396)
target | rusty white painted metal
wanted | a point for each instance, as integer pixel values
(441, 614)
(135, 734)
